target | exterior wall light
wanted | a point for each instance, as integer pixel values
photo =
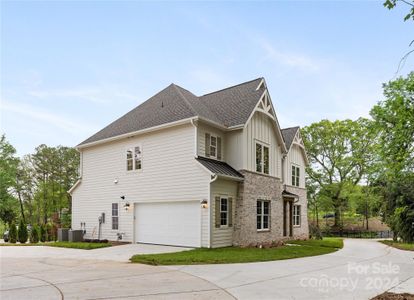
(127, 206)
(204, 203)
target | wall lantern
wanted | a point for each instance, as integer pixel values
(126, 206)
(204, 203)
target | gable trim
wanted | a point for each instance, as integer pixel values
(75, 186)
(274, 118)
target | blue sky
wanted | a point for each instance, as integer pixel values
(70, 68)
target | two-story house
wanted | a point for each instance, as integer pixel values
(209, 171)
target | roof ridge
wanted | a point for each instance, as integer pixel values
(233, 86)
(184, 98)
(290, 127)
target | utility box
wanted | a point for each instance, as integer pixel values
(75, 235)
(63, 234)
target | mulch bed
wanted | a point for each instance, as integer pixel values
(392, 296)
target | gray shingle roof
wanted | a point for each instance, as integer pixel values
(229, 107)
(288, 135)
(219, 167)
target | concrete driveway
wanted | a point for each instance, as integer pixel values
(361, 270)
(120, 253)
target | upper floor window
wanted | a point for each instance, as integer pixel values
(296, 215)
(213, 146)
(262, 158)
(295, 175)
(134, 158)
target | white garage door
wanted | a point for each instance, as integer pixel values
(173, 223)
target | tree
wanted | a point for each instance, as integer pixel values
(8, 166)
(22, 233)
(339, 154)
(13, 233)
(390, 4)
(394, 119)
(34, 234)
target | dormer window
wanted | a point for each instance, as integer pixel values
(134, 158)
(213, 146)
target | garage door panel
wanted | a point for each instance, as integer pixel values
(175, 223)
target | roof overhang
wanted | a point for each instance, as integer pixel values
(139, 132)
(75, 186)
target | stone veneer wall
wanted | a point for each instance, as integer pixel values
(253, 188)
(302, 231)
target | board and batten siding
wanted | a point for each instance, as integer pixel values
(233, 148)
(169, 173)
(261, 129)
(295, 157)
(202, 129)
(222, 236)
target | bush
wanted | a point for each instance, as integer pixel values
(13, 233)
(22, 233)
(43, 233)
(51, 232)
(34, 234)
(315, 232)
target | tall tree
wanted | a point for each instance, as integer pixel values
(339, 153)
(8, 167)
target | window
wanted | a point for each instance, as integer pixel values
(213, 146)
(115, 216)
(263, 214)
(134, 158)
(296, 215)
(224, 210)
(262, 158)
(295, 175)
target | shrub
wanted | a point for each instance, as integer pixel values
(315, 232)
(13, 233)
(22, 232)
(43, 233)
(34, 234)
(51, 232)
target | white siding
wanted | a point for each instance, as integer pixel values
(223, 236)
(170, 173)
(202, 130)
(295, 157)
(260, 128)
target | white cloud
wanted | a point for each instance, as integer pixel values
(69, 125)
(289, 59)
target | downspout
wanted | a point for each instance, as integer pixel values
(213, 178)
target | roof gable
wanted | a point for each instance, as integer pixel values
(288, 135)
(229, 107)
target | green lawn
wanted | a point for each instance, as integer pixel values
(402, 246)
(241, 255)
(77, 245)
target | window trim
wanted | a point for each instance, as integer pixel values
(297, 214)
(262, 164)
(295, 178)
(134, 159)
(115, 216)
(226, 212)
(262, 215)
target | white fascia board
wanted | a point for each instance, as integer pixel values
(130, 134)
(75, 186)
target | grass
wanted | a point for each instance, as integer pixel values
(398, 245)
(76, 245)
(241, 255)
